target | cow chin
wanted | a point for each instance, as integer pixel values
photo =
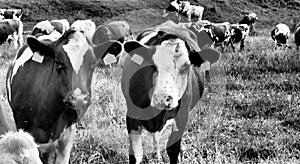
(162, 102)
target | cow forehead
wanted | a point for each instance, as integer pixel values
(170, 53)
(45, 26)
(76, 49)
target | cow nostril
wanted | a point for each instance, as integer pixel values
(169, 98)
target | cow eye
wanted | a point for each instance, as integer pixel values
(59, 65)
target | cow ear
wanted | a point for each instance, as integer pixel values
(210, 55)
(112, 47)
(37, 46)
(134, 47)
(203, 39)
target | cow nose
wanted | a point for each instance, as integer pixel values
(162, 101)
(78, 98)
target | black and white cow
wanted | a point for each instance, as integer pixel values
(162, 80)
(238, 34)
(280, 34)
(11, 29)
(11, 14)
(249, 20)
(49, 86)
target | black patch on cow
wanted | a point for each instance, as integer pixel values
(171, 8)
(281, 39)
(246, 20)
(154, 124)
(237, 35)
(195, 58)
(140, 85)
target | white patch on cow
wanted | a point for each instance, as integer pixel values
(44, 26)
(55, 35)
(205, 66)
(148, 37)
(170, 59)
(109, 59)
(27, 54)
(77, 91)
(87, 27)
(282, 29)
(37, 57)
(76, 49)
(137, 59)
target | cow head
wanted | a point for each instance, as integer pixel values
(73, 59)
(172, 59)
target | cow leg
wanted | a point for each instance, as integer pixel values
(15, 39)
(242, 45)
(173, 144)
(135, 147)
(156, 137)
(64, 145)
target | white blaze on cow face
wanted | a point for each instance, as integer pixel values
(44, 26)
(172, 62)
(76, 49)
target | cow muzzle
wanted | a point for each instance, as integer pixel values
(163, 101)
(78, 98)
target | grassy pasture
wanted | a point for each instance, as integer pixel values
(250, 116)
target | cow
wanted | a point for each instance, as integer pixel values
(238, 34)
(192, 10)
(219, 34)
(42, 28)
(55, 77)
(60, 25)
(176, 7)
(297, 38)
(18, 147)
(11, 29)
(249, 20)
(11, 13)
(88, 27)
(162, 79)
(280, 34)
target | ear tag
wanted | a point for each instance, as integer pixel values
(37, 57)
(109, 59)
(137, 59)
(205, 66)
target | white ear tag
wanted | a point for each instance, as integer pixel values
(205, 66)
(37, 57)
(109, 59)
(137, 59)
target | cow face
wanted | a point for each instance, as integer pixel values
(173, 6)
(73, 59)
(172, 61)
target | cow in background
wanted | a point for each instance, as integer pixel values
(11, 14)
(88, 27)
(60, 25)
(11, 30)
(280, 34)
(249, 20)
(238, 34)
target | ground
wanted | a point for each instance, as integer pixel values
(251, 115)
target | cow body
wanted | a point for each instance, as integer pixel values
(11, 29)
(185, 9)
(55, 77)
(117, 30)
(239, 33)
(280, 34)
(11, 13)
(219, 33)
(156, 92)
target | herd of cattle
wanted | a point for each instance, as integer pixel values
(164, 72)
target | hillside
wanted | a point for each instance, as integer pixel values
(270, 12)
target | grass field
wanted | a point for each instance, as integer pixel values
(250, 116)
